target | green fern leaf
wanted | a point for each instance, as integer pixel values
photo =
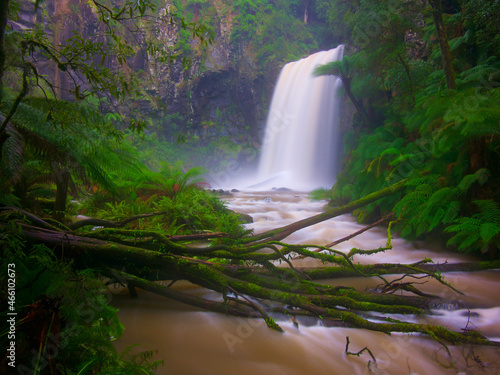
(437, 219)
(451, 212)
(488, 231)
(468, 241)
(490, 213)
(422, 228)
(467, 181)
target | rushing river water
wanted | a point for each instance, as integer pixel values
(195, 342)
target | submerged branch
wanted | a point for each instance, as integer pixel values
(357, 354)
(246, 271)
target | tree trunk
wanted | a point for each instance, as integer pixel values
(437, 14)
(62, 183)
(306, 11)
(318, 273)
(408, 73)
(341, 304)
(62, 13)
(360, 108)
(283, 232)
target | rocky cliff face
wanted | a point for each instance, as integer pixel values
(211, 89)
(218, 92)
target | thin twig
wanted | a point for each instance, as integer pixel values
(347, 352)
(347, 238)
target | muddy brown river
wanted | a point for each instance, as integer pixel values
(194, 342)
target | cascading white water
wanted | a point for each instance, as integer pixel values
(301, 138)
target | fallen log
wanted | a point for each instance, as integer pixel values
(240, 269)
(280, 233)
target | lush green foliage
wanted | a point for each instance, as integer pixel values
(445, 142)
(64, 321)
(56, 150)
(274, 31)
(187, 208)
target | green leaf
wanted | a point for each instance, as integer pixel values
(437, 219)
(451, 212)
(488, 231)
(467, 181)
(87, 366)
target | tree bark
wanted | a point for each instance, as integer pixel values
(318, 273)
(437, 14)
(62, 183)
(410, 80)
(358, 104)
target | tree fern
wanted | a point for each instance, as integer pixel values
(452, 211)
(489, 211)
(75, 138)
(430, 206)
(480, 74)
(479, 232)
(480, 176)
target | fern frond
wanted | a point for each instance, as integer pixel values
(489, 211)
(467, 182)
(452, 211)
(479, 231)
(489, 230)
(438, 218)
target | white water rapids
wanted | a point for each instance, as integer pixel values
(194, 342)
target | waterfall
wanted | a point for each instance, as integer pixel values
(301, 139)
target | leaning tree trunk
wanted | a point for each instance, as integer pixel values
(358, 104)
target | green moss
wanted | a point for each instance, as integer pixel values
(271, 323)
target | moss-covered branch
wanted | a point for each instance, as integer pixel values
(283, 232)
(247, 274)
